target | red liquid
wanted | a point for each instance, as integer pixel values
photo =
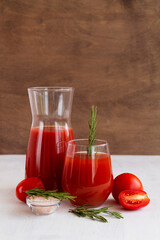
(46, 154)
(89, 179)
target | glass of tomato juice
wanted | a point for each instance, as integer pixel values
(87, 172)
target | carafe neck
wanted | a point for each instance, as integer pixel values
(51, 105)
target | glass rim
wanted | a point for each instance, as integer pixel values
(101, 142)
(50, 88)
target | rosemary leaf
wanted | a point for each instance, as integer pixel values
(38, 191)
(93, 214)
(92, 126)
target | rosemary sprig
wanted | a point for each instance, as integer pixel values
(38, 191)
(92, 126)
(93, 214)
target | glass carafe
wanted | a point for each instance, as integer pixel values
(49, 134)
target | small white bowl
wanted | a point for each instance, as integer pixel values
(41, 205)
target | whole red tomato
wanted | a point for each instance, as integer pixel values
(27, 184)
(125, 181)
(133, 199)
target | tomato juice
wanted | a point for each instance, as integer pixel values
(46, 153)
(88, 178)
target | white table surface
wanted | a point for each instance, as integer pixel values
(18, 222)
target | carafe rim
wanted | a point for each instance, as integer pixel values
(50, 88)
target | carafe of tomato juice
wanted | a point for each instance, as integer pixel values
(49, 134)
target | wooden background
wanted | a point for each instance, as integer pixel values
(109, 50)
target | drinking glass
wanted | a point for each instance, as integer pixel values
(87, 172)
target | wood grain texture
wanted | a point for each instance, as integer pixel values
(108, 50)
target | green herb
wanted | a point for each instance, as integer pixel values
(38, 191)
(93, 214)
(92, 126)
